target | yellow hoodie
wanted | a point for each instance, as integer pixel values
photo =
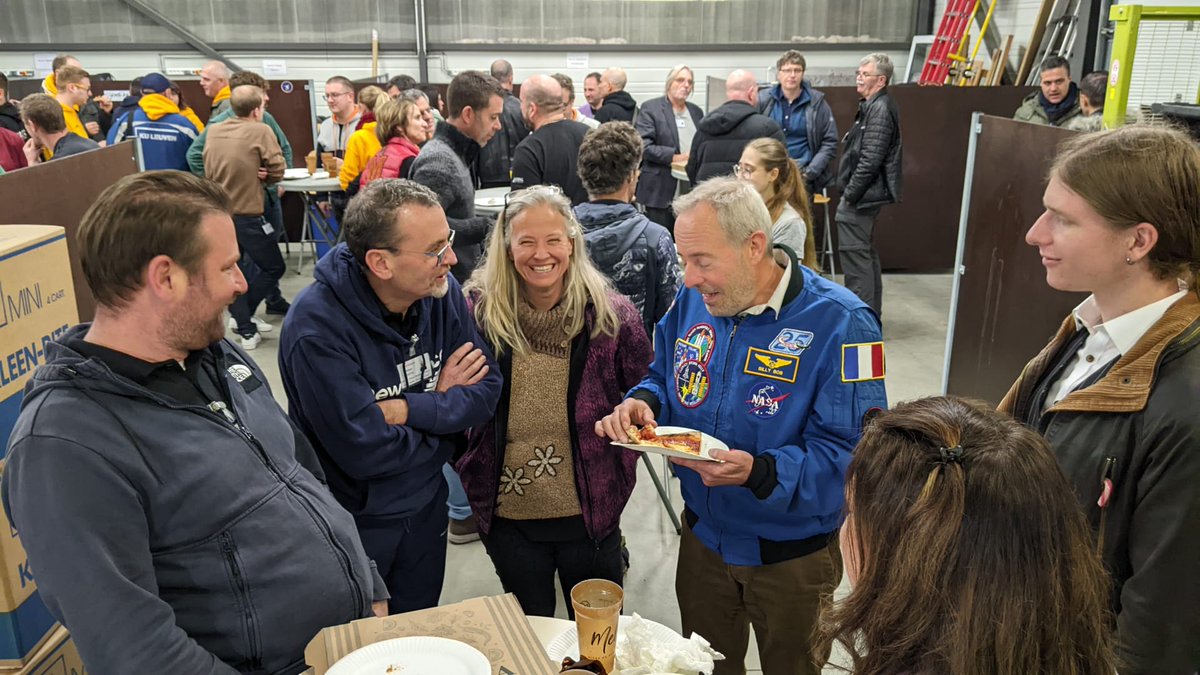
(156, 106)
(221, 96)
(362, 146)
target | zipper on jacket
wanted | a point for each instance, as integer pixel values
(716, 417)
(229, 552)
(1106, 492)
(343, 556)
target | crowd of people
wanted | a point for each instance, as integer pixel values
(452, 377)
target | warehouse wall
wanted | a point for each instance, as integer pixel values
(647, 70)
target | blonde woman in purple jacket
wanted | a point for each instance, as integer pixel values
(548, 493)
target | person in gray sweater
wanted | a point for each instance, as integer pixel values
(447, 162)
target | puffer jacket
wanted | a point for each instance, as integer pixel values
(870, 174)
(1135, 427)
(637, 254)
(820, 130)
(600, 371)
(175, 538)
(1032, 110)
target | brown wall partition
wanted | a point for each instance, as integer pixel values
(1005, 312)
(59, 192)
(919, 234)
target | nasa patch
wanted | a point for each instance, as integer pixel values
(764, 400)
(703, 338)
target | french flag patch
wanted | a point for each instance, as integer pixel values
(862, 362)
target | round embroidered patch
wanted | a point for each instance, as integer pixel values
(764, 400)
(703, 338)
(691, 383)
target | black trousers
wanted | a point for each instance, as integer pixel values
(261, 248)
(664, 216)
(856, 249)
(410, 553)
(526, 567)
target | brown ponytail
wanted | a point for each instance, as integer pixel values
(789, 189)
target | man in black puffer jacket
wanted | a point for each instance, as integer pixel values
(869, 177)
(724, 132)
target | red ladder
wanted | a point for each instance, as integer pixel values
(951, 30)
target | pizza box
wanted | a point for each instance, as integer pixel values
(707, 445)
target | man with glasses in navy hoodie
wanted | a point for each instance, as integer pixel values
(384, 371)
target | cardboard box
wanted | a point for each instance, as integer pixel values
(494, 625)
(37, 305)
(58, 656)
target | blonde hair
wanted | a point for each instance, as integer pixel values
(372, 96)
(391, 119)
(497, 285)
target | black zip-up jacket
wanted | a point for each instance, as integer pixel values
(1135, 425)
(723, 134)
(173, 538)
(870, 173)
(495, 158)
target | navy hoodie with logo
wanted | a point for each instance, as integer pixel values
(341, 352)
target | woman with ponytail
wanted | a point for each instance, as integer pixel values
(1115, 391)
(765, 164)
(966, 552)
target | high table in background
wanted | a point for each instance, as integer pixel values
(318, 230)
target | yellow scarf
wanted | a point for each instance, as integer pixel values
(221, 96)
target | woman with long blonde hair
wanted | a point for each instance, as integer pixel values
(546, 492)
(765, 164)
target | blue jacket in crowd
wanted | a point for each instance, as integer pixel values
(775, 387)
(812, 135)
(341, 352)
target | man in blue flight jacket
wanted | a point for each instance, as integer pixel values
(782, 365)
(384, 371)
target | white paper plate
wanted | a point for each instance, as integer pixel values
(489, 201)
(707, 443)
(567, 644)
(298, 174)
(414, 656)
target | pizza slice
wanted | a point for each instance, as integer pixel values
(688, 442)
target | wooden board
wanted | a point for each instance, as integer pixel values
(59, 192)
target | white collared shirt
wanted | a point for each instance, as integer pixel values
(1105, 342)
(776, 300)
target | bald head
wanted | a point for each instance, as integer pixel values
(615, 78)
(741, 85)
(503, 72)
(541, 100)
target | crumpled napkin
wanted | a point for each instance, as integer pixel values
(643, 650)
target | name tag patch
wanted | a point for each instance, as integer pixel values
(782, 367)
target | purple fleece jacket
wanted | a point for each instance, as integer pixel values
(602, 370)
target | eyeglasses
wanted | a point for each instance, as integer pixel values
(791, 71)
(859, 73)
(439, 255)
(743, 170)
(330, 97)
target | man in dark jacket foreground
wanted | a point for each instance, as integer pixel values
(869, 177)
(176, 519)
(724, 132)
(384, 371)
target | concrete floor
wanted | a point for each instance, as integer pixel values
(915, 312)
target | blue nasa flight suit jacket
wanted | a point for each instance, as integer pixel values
(775, 387)
(341, 352)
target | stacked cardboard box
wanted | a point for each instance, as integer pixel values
(37, 304)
